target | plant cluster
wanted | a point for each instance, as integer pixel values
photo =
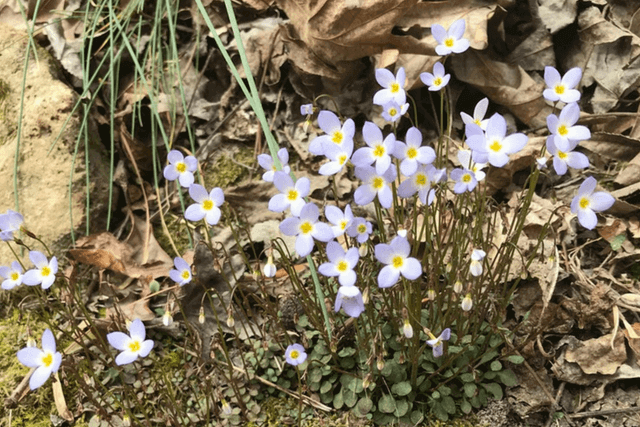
(405, 316)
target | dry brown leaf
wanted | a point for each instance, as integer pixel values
(58, 398)
(595, 356)
(634, 343)
(612, 146)
(504, 84)
(613, 228)
(535, 52)
(557, 14)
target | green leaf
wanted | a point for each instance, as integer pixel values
(508, 378)
(338, 400)
(467, 378)
(444, 390)
(387, 404)
(495, 341)
(515, 359)
(496, 365)
(315, 375)
(616, 242)
(494, 389)
(489, 375)
(347, 363)
(347, 351)
(449, 404)
(303, 321)
(350, 398)
(326, 386)
(440, 412)
(436, 395)
(417, 417)
(401, 389)
(489, 356)
(454, 349)
(363, 407)
(465, 407)
(470, 389)
(402, 407)
(348, 381)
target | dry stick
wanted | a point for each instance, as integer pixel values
(19, 392)
(603, 412)
(555, 404)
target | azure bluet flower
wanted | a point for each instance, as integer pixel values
(12, 275)
(10, 222)
(335, 133)
(338, 155)
(412, 152)
(306, 227)
(393, 87)
(378, 150)
(291, 195)
(349, 298)
(562, 159)
(46, 361)
(437, 80)
(45, 272)
(586, 203)
(464, 157)
(374, 184)
(306, 109)
(266, 162)
(131, 346)
(207, 205)
(398, 262)
(478, 114)
(420, 182)
(437, 343)
(340, 220)
(180, 168)
(476, 262)
(295, 354)
(341, 264)
(392, 111)
(451, 40)
(562, 88)
(465, 180)
(564, 127)
(494, 146)
(360, 228)
(182, 273)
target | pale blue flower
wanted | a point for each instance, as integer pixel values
(412, 152)
(465, 180)
(10, 222)
(295, 354)
(46, 361)
(340, 220)
(306, 109)
(306, 227)
(45, 272)
(563, 127)
(341, 264)
(335, 133)
(207, 205)
(361, 229)
(437, 343)
(349, 298)
(291, 195)
(266, 162)
(338, 155)
(374, 184)
(378, 150)
(562, 88)
(437, 80)
(392, 111)
(182, 273)
(398, 262)
(420, 182)
(464, 157)
(12, 275)
(586, 203)
(393, 87)
(451, 40)
(133, 345)
(494, 146)
(180, 168)
(562, 159)
(478, 114)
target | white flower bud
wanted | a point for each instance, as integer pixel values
(467, 302)
(167, 318)
(407, 329)
(269, 269)
(457, 287)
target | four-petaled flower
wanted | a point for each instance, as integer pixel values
(562, 159)
(412, 152)
(335, 133)
(420, 182)
(437, 343)
(465, 180)
(478, 114)
(494, 146)
(563, 127)
(349, 298)
(586, 203)
(306, 109)
(392, 111)
(378, 150)
(437, 80)
(451, 40)
(396, 257)
(182, 273)
(464, 157)
(393, 87)
(9, 222)
(338, 155)
(306, 227)
(295, 354)
(340, 220)
(46, 361)
(291, 195)
(207, 205)
(340, 264)
(476, 262)
(266, 161)
(360, 228)
(374, 183)
(12, 275)
(562, 88)
(133, 345)
(180, 168)
(45, 272)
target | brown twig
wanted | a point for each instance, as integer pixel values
(19, 392)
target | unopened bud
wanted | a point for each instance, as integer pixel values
(363, 250)
(167, 318)
(226, 408)
(230, 320)
(154, 286)
(201, 317)
(448, 268)
(407, 329)
(467, 302)
(366, 382)
(401, 359)
(31, 342)
(457, 287)
(269, 269)
(126, 421)
(380, 364)
(431, 294)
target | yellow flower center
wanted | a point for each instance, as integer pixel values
(342, 159)
(337, 137)
(343, 224)
(397, 261)
(14, 276)
(466, 178)
(392, 112)
(412, 152)
(559, 89)
(294, 354)
(495, 146)
(395, 87)
(449, 42)
(45, 271)
(437, 81)
(584, 203)
(478, 122)
(47, 360)
(379, 150)
(292, 195)
(362, 228)
(562, 155)
(134, 346)
(306, 227)
(342, 266)
(562, 130)
(378, 183)
(185, 274)
(181, 167)
(207, 205)
(421, 179)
